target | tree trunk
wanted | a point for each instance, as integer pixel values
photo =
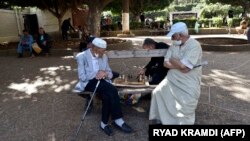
(94, 19)
(58, 15)
(125, 16)
(59, 22)
(95, 10)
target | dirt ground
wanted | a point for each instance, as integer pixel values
(37, 103)
(58, 44)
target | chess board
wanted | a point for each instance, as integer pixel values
(133, 84)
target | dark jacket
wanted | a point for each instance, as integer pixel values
(42, 38)
(66, 25)
(156, 63)
(248, 34)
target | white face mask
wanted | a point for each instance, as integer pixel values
(176, 43)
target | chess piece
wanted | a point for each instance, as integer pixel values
(140, 78)
(145, 79)
(126, 79)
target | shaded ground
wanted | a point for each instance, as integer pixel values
(56, 44)
(59, 44)
(36, 103)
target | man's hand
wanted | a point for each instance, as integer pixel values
(178, 65)
(101, 74)
(185, 70)
(174, 61)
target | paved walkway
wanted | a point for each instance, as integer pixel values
(36, 104)
(139, 39)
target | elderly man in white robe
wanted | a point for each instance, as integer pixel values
(175, 99)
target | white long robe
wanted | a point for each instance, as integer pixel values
(175, 99)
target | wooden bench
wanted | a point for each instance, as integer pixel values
(133, 54)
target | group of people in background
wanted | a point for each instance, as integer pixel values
(66, 27)
(243, 26)
(106, 23)
(42, 39)
(44, 42)
(150, 23)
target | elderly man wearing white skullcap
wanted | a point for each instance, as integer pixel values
(93, 67)
(175, 99)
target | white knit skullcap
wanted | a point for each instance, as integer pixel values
(98, 42)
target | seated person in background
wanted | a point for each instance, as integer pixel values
(25, 43)
(93, 67)
(243, 25)
(86, 38)
(86, 44)
(154, 68)
(44, 41)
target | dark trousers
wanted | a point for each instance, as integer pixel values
(22, 48)
(64, 34)
(115, 75)
(45, 49)
(83, 46)
(156, 76)
(110, 99)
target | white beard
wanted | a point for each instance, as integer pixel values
(96, 55)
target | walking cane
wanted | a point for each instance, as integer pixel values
(83, 117)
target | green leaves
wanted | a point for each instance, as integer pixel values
(138, 6)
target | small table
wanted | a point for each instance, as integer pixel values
(134, 88)
(129, 88)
